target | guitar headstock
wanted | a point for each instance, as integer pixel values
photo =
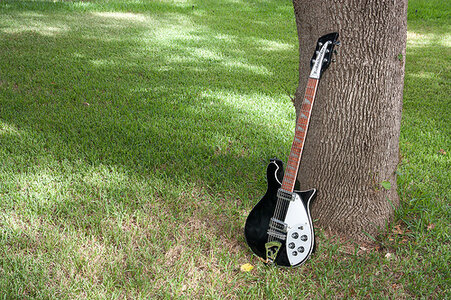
(322, 56)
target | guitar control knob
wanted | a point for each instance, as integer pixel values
(294, 253)
(301, 227)
(301, 249)
(291, 245)
(304, 238)
(295, 235)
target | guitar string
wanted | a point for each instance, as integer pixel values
(283, 205)
(281, 210)
(298, 149)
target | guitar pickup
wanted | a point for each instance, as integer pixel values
(278, 225)
(284, 195)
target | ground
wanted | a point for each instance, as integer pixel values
(134, 137)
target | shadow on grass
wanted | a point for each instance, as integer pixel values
(175, 93)
(165, 97)
(129, 128)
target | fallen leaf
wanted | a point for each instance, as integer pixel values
(442, 152)
(398, 230)
(246, 268)
(388, 255)
(431, 226)
(86, 104)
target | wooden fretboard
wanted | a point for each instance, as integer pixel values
(294, 158)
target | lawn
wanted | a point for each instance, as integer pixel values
(134, 137)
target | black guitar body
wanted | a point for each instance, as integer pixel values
(257, 223)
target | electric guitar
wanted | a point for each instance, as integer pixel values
(279, 228)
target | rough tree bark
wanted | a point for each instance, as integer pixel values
(352, 142)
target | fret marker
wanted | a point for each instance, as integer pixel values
(306, 101)
(303, 116)
(297, 140)
(300, 128)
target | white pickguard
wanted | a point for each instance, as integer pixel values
(300, 235)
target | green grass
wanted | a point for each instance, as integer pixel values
(134, 137)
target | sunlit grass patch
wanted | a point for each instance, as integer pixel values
(122, 16)
(255, 106)
(416, 39)
(32, 22)
(269, 45)
(6, 128)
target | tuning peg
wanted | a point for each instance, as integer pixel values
(337, 43)
(333, 60)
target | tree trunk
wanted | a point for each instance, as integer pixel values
(352, 141)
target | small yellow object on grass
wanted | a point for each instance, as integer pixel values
(246, 267)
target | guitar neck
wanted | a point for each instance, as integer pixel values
(294, 158)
